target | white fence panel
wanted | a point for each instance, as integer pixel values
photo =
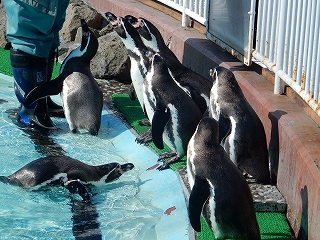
(287, 37)
(287, 42)
(196, 9)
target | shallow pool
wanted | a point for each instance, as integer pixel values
(133, 207)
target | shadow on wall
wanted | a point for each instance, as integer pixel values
(202, 59)
(303, 231)
(274, 143)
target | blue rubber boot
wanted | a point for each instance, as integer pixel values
(28, 72)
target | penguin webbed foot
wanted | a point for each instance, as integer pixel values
(144, 123)
(173, 157)
(144, 138)
(75, 187)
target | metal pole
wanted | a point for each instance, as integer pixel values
(278, 84)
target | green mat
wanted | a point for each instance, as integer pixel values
(272, 225)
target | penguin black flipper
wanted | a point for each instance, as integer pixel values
(199, 100)
(75, 186)
(160, 118)
(198, 197)
(53, 87)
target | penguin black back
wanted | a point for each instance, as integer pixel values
(218, 189)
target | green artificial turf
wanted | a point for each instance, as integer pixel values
(272, 225)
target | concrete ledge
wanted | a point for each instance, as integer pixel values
(294, 139)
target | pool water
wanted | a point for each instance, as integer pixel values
(132, 207)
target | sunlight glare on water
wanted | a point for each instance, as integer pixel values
(131, 207)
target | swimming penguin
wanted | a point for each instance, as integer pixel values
(241, 130)
(218, 189)
(81, 95)
(69, 172)
(175, 116)
(197, 86)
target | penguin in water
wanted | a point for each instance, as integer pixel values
(66, 171)
(242, 133)
(175, 116)
(81, 95)
(197, 86)
(218, 189)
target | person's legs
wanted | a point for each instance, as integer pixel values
(33, 30)
(29, 71)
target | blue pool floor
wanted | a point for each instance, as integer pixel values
(132, 207)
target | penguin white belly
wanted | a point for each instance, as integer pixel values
(62, 176)
(231, 141)
(66, 108)
(212, 208)
(214, 106)
(191, 169)
(148, 95)
(172, 138)
(137, 80)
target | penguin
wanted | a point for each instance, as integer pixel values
(70, 173)
(218, 189)
(81, 95)
(197, 86)
(175, 116)
(139, 56)
(138, 53)
(242, 133)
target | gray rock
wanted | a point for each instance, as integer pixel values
(112, 60)
(4, 43)
(78, 9)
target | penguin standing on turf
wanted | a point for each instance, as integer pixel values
(139, 58)
(218, 189)
(138, 53)
(175, 116)
(81, 95)
(240, 129)
(197, 86)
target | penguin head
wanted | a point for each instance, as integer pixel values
(222, 75)
(158, 63)
(89, 41)
(124, 29)
(226, 81)
(86, 51)
(149, 34)
(207, 132)
(113, 171)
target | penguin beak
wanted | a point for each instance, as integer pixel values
(131, 19)
(126, 167)
(110, 17)
(118, 171)
(113, 19)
